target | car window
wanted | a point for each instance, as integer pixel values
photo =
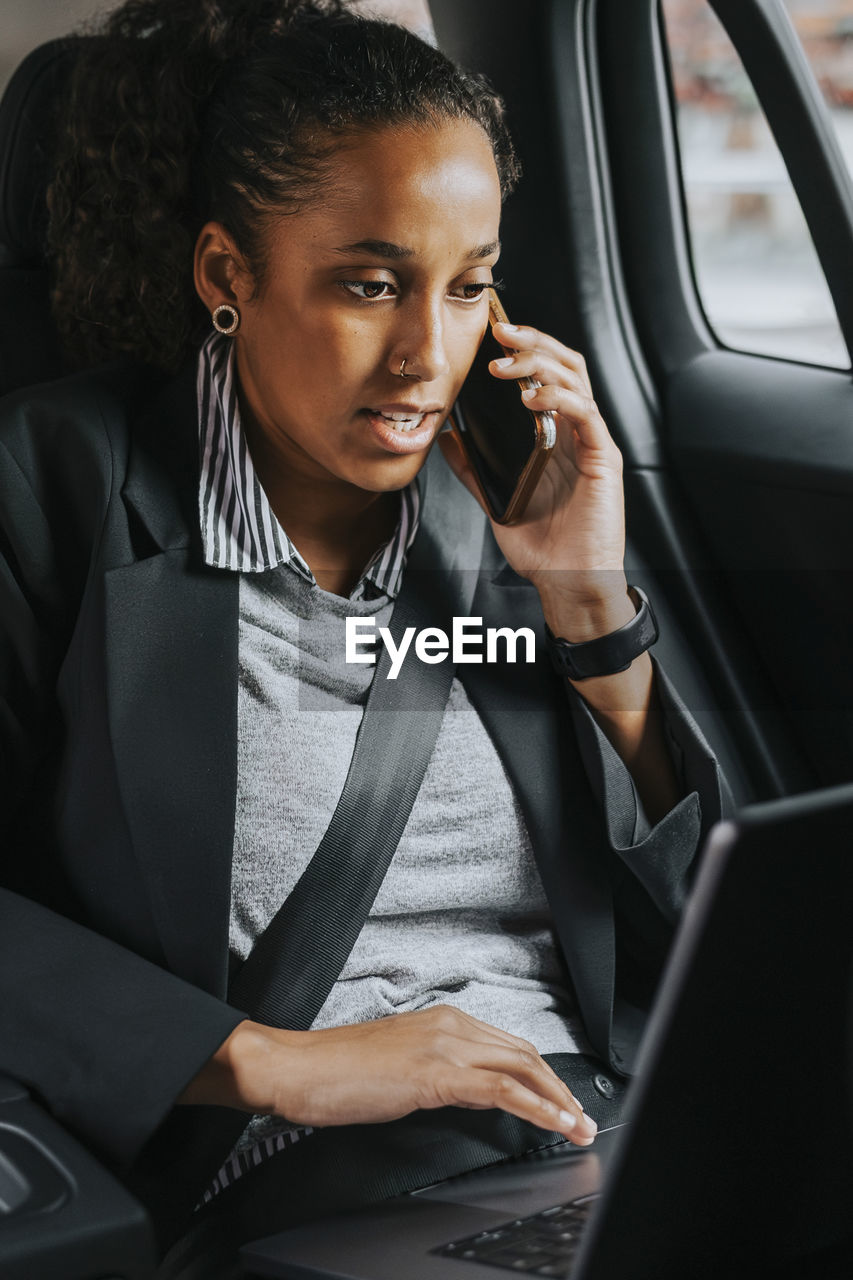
(756, 269)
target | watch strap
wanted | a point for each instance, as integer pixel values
(610, 654)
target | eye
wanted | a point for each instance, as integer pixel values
(474, 289)
(471, 292)
(369, 290)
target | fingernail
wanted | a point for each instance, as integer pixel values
(567, 1120)
(504, 362)
(510, 328)
(590, 1123)
(529, 393)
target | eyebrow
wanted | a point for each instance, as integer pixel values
(397, 252)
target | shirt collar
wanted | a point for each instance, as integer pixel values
(238, 527)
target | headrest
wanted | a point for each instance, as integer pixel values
(27, 130)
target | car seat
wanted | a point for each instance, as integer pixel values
(62, 1215)
(29, 348)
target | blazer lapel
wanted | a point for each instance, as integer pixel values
(172, 627)
(172, 680)
(524, 709)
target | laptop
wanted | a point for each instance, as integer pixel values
(736, 1158)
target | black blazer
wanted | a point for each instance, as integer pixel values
(118, 680)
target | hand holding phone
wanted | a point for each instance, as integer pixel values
(506, 444)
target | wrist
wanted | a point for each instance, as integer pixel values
(609, 653)
(213, 1084)
(579, 617)
(242, 1073)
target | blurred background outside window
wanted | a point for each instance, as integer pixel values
(756, 268)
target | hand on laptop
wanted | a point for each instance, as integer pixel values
(375, 1071)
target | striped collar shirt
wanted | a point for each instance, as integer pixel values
(238, 527)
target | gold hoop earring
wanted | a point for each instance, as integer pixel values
(235, 319)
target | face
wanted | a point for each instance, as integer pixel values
(391, 264)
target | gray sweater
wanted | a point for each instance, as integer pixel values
(461, 917)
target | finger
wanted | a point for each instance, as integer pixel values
(479, 1043)
(525, 338)
(544, 368)
(519, 1043)
(476, 1088)
(530, 1069)
(471, 1041)
(580, 410)
(573, 1101)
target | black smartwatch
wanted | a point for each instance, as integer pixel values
(610, 654)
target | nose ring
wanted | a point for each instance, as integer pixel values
(402, 373)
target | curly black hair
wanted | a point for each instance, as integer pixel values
(181, 111)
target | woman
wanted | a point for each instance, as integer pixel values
(325, 192)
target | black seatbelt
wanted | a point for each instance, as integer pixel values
(299, 956)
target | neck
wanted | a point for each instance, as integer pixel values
(335, 526)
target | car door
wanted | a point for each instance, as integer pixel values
(739, 466)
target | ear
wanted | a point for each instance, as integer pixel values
(220, 272)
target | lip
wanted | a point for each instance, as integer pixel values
(402, 442)
(412, 409)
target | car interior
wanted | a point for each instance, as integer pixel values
(738, 464)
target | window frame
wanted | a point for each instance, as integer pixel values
(645, 157)
(597, 253)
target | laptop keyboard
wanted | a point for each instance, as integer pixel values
(544, 1244)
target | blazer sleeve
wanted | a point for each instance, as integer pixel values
(106, 1038)
(660, 858)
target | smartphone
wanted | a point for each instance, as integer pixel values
(506, 443)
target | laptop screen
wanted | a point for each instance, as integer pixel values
(741, 1143)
